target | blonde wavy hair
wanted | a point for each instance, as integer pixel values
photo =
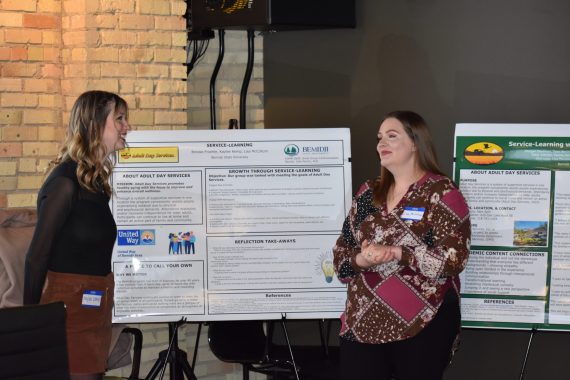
(83, 142)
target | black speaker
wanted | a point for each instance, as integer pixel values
(272, 14)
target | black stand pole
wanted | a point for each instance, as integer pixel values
(221, 34)
(196, 345)
(174, 356)
(283, 318)
(324, 333)
(246, 79)
(532, 332)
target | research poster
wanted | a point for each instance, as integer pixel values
(229, 224)
(516, 179)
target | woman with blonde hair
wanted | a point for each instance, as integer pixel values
(403, 244)
(69, 258)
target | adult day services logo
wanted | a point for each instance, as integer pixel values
(484, 153)
(149, 154)
(136, 237)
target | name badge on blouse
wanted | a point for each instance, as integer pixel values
(413, 213)
(92, 298)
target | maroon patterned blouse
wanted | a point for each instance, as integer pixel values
(396, 300)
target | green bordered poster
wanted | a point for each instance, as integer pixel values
(516, 179)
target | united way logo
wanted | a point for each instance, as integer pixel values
(291, 150)
(135, 237)
(147, 237)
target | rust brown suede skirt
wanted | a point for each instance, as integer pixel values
(88, 327)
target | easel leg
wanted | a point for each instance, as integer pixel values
(283, 318)
(324, 335)
(245, 372)
(160, 362)
(532, 332)
(174, 356)
(196, 345)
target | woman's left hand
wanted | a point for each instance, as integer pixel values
(378, 253)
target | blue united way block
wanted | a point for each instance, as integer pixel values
(128, 237)
(136, 237)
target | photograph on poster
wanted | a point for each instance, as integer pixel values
(530, 233)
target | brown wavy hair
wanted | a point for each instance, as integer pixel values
(418, 131)
(83, 142)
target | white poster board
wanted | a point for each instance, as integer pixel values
(229, 224)
(516, 179)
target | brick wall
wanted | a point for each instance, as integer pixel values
(53, 50)
(134, 48)
(30, 95)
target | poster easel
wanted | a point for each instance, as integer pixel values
(515, 178)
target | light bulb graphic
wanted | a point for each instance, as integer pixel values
(328, 269)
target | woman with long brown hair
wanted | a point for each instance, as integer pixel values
(69, 258)
(402, 246)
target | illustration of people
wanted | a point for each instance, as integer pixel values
(191, 241)
(171, 243)
(186, 241)
(179, 244)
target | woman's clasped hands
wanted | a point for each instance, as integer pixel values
(373, 254)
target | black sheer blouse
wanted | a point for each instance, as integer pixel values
(75, 232)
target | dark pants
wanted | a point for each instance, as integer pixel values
(422, 357)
